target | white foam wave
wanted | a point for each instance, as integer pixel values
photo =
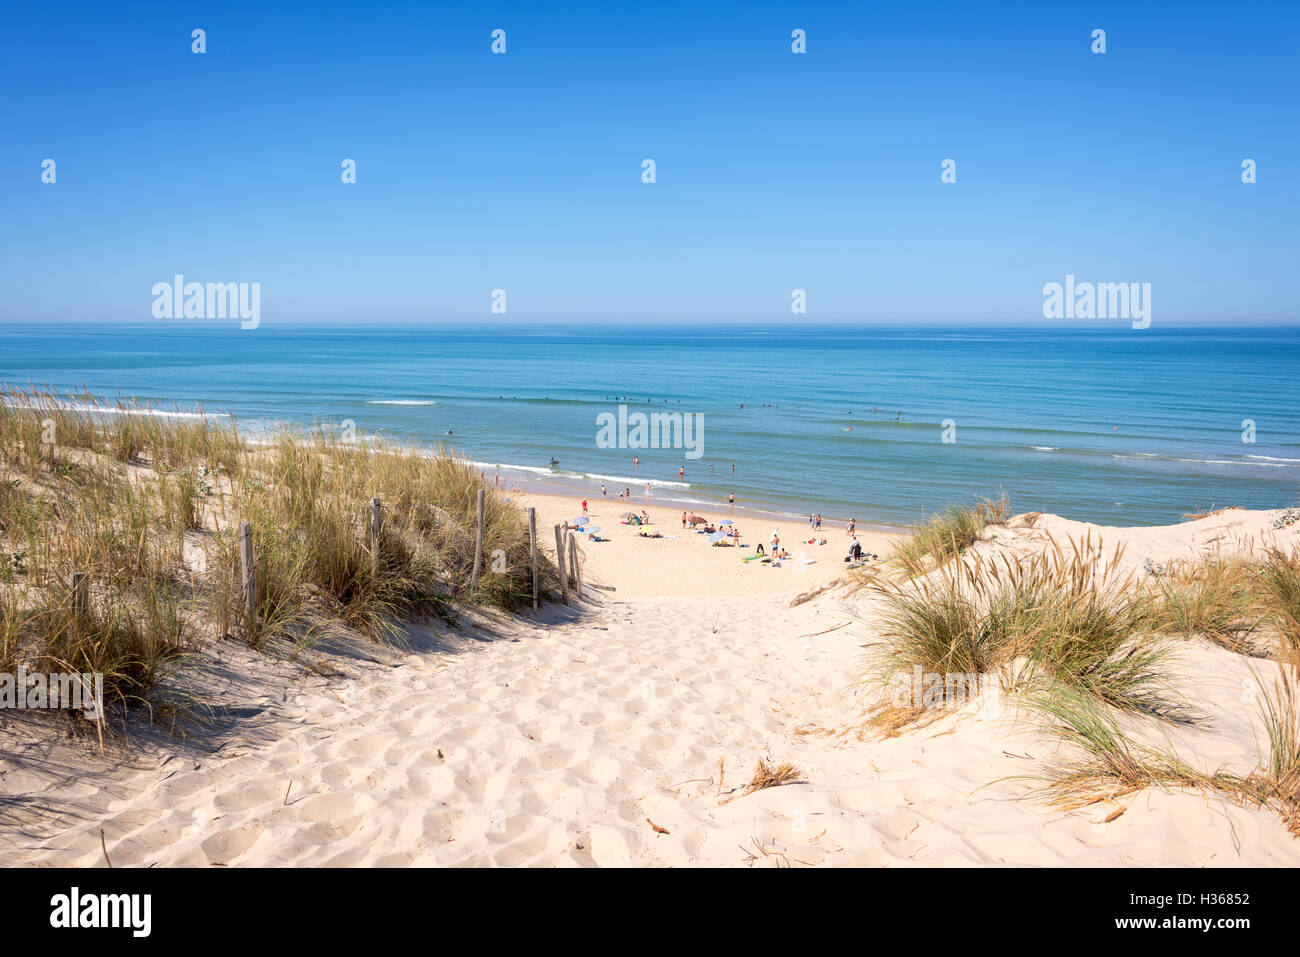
(91, 409)
(570, 474)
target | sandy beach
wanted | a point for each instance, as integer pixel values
(683, 562)
(626, 730)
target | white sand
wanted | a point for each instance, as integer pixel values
(558, 740)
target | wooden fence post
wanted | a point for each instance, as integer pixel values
(376, 526)
(532, 550)
(478, 543)
(249, 572)
(573, 567)
(80, 584)
(559, 564)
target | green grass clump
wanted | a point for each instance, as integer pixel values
(947, 535)
(1071, 617)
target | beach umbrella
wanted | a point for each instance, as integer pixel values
(718, 536)
(726, 521)
(697, 519)
(629, 515)
(580, 520)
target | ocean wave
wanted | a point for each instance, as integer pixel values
(572, 474)
(1245, 461)
(625, 481)
(501, 466)
(90, 409)
(401, 402)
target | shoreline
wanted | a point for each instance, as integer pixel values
(574, 489)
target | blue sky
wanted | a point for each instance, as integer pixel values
(775, 171)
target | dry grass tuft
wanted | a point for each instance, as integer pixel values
(772, 776)
(1195, 516)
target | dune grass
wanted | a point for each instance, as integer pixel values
(1087, 645)
(1278, 783)
(947, 535)
(1215, 599)
(1101, 763)
(1278, 588)
(1068, 614)
(149, 506)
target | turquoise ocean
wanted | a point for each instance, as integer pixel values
(1112, 425)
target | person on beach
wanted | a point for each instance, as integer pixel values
(602, 490)
(647, 489)
(733, 470)
(681, 472)
(776, 541)
(853, 526)
(627, 494)
(818, 526)
(810, 521)
(636, 460)
(731, 499)
(584, 506)
(855, 551)
(683, 519)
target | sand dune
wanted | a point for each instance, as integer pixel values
(625, 732)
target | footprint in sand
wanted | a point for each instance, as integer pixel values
(246, 796)
(328, 807)
(226, 846)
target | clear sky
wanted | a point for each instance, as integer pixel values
(775, 171)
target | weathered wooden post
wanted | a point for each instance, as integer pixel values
(478, 542)
(79, 582)
(532, 550)
(559, 564)
(376, 526)
(249, 572)
(574, 570)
